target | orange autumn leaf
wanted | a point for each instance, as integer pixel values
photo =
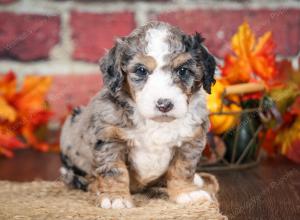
(23, 111)
(263, 57)
(236, 71)
(31, 97)
(251, 59)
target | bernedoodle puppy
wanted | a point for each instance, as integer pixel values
(149, 122)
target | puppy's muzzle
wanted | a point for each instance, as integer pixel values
(164, 105)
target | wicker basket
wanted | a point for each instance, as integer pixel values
(242, 143)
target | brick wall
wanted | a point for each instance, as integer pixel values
(67, 38)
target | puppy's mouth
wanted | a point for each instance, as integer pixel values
(163, 118)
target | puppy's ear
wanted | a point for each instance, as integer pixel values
(111, 68)
(205, 61)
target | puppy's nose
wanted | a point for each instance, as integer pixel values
(164, 105)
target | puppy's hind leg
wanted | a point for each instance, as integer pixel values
(72, 175)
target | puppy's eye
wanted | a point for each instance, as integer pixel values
(183, 72)
(141, 71)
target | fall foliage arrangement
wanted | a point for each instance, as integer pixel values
(255, 103)
(24, 113)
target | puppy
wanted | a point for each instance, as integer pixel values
(149, 122)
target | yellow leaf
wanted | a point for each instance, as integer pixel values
(6, 111)
(221, 123)
(243, 41)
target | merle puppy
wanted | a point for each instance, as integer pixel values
(147, 124)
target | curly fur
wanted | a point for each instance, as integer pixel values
(120, 143)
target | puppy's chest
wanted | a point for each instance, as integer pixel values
(153, 147)
(150, 162)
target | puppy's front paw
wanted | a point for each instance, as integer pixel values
(189, 197)
(115, 202)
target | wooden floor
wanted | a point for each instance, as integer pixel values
(269, 191)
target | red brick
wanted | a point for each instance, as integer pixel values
(7, 1)
(72, 90)
(93, 33)
(217, 26)
(26, 36)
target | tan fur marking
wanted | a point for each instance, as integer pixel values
(115, 133)
(179, 179)
(136, 184)
(180, 59)
(199, 133)
(148, 61)
(212, 186)
(129, 89)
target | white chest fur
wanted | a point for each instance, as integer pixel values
(154, 145)
(150, 163)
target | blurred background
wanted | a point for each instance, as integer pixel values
(66, 38)
(49, 52)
